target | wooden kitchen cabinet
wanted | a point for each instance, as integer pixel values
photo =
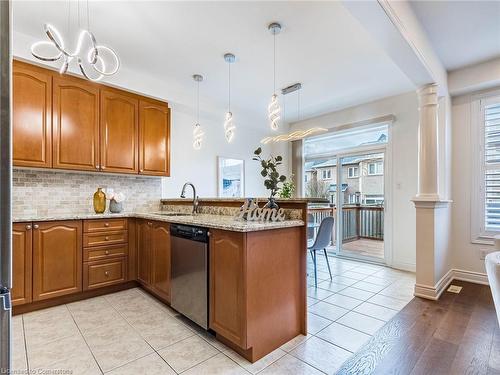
(119, 126)
(21, 263)
(154, 138)
(160, 259)
(31, 116)
(227, 287)
(143, 233)
(153, 257)
(75, 122)
(57, 259)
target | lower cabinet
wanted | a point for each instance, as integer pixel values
(57, 259)
(153, 257)
(227, 287)
(104, 272)
(22, 251)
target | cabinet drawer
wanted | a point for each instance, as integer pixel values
(103, 273)
(108, 238)
(104, 225)
(104, 252)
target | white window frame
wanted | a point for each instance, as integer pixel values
(328, 173)
(377, 172)
(353, 175)
(479, 234)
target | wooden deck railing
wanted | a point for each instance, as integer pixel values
(358, 221)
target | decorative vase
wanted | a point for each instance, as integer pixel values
(99, 201)
(271, 203)
(115, 207)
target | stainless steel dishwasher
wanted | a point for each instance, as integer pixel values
(189, 285)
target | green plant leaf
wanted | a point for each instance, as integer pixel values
(279, 158)
(263, 173)
(282, 178)
(258, 151)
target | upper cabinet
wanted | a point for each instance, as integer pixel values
(66, 122)
(32, 116)
(119, 132)
(154, 138)
(75, 124)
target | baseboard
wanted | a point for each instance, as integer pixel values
(471, 277)
(434, 292)
(404, 266)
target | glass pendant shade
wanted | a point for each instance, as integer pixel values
(197, 131)
(197, 136)
(229, 127)
(274, 111)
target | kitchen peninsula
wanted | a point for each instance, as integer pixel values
(257, 271)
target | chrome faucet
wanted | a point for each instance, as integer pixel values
(195, 197)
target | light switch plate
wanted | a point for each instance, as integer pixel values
(454, 289)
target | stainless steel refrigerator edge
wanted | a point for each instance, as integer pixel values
(5, 186)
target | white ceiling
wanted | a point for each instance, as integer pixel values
(462, 32)
(321, 45)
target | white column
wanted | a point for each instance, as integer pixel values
(428, 144)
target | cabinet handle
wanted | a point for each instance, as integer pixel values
(141, 170)
(106, 224)
(106, 273)
(150, 223)
(96, 167)
(28, 227)
(103, 167)
(36, 226)
(106, 252)
(106, 238)
(209, 234)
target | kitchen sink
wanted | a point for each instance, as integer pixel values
(174, 214)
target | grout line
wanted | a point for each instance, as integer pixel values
(25, 345)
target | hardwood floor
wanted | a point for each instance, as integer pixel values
(459, 334)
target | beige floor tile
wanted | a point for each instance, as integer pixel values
(288, 365)
(321, 354)
(361, 322)
(369, 287)
(45, 326)
(151, 364)
(345, 337)
(362, 295)
(318, 293)
(19, 359)
(392, 303)
(346, 302)
(44, 355)
(382, 281)
(259, 365)
(217, 365)
(347, 281)
(316, 323)
(93, 312)
(399, 291)
(327, 310)
(354, 275)
(331, 286)
(116, 344)
(208, 337)
(311, 301)
(376, 311)
(160, 329)
(293, 343)
(81, 365)
(187, 353)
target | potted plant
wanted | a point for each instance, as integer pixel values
(272, 177)
(288, 188)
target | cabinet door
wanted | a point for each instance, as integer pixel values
(75, 124)
(154, 138)
(57, 259)
(21, 263)
(31, 116)
(160, 256)
(227, 288)
(119, 119)
(144, 251)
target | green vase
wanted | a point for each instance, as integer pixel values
(99, 201)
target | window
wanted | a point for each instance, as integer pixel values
(375, 168)
(353, 172)
(352, 198)
(326, 174)
(306, 178)
(486, 184)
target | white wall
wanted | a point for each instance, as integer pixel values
(404, 163)
(187, 164)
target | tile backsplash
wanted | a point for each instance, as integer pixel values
(40, 193)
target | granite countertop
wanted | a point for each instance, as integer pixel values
(242, 200)
(205, 220)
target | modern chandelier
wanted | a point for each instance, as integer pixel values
(229, 126)
(88, 54)
(274, 109)
(197, 131)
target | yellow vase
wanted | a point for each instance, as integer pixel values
(99, 201)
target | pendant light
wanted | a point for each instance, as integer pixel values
(274, 110)
(197, 131)
(93, 56)
(229, 126)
